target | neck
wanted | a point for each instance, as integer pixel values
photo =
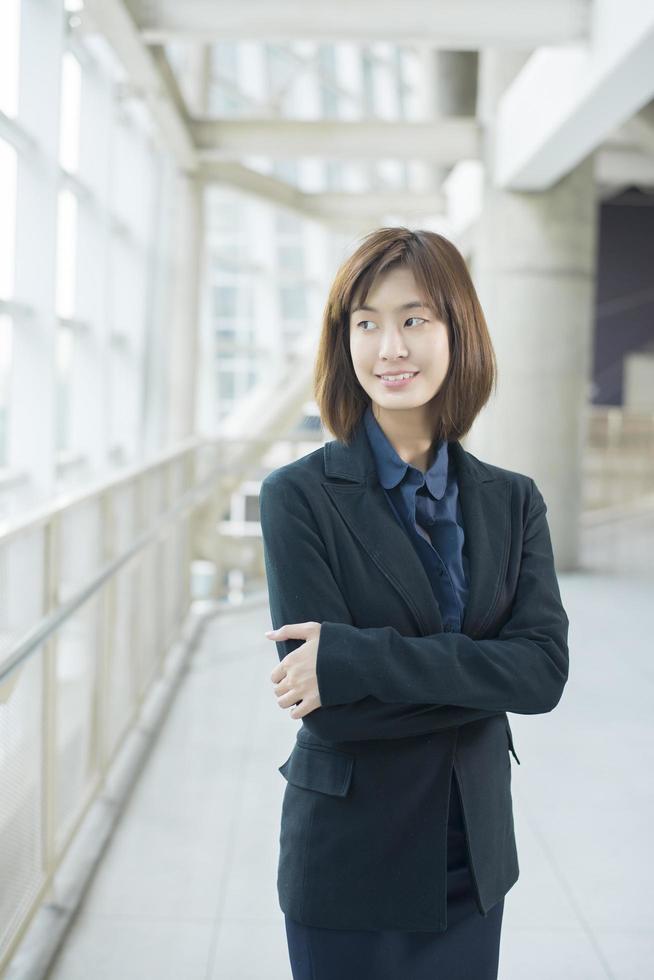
(410, 433)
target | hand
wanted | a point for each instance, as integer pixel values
(295, 677)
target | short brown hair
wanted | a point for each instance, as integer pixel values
(440, 270)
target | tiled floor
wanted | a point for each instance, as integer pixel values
(186, 890)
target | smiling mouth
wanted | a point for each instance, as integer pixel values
(392, 381)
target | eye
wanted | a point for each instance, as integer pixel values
(361, 323)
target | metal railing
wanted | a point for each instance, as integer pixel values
(95, 590)
(612, 427)
(618, 457)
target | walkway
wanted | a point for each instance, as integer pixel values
(187, 888)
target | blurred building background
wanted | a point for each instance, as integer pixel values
(178, 184)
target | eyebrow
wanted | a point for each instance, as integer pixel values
(413, 305)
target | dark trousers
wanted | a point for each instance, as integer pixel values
(468, 948)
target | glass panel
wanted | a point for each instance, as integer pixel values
(293, 302)
(225, 300)
(66, 252)
(9, 56)
(8, 222)
(5, 369)
(71, 87)
(291, 258)
(63, 393)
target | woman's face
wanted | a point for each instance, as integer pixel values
(386, 339)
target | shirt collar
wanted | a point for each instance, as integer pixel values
(392, 469)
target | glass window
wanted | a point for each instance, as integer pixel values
(286, 170)
(334, 175)
(290, 258)
(71, 88)
(224, 59)
(9, 56)
(66, 253)
(8, 222)
(281, 66)
(293, 302)
(224, 215)
(5, 370)
(63, 386)
(226, 335)
(287, 223)
(330, 102)
(224, 101)
(226, 385)
(327, 60)
(225, 300)
(368, 72)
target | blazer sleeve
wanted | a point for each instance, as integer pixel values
(302, 588)
(523, 669)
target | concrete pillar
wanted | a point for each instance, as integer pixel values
(456, 82)
(184, 328)
(189, 254)
(450, 90)
(534, 269)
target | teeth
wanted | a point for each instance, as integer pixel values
(397, 377)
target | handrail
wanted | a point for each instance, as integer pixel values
(63, 501)
(51, 508)
(35, 636)
(31, 640)
(98, 600)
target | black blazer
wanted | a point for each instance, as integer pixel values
(363, 840)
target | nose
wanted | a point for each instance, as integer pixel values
(393, 345)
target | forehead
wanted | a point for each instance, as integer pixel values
(393, 289)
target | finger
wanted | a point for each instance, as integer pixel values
(281, 633)
(297, 711)
(291, 631)
(280, 670)
(288, 699)
(305, 707)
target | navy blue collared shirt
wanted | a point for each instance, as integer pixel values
(427, 506)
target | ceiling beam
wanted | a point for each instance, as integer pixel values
(112, 20)
(458, 25)
(234, 174)
(339, 210)
(564, 103)
(371, 204)
(444, 141)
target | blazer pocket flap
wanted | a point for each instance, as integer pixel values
(324, 770)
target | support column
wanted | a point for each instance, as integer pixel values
(450, 89)
(183, 371)
(189, 255)
(534, 269)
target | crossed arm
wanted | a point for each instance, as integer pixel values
(375, 683)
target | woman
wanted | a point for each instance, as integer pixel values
(414, 598)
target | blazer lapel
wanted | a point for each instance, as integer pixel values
(486, 507)
(363, 505)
